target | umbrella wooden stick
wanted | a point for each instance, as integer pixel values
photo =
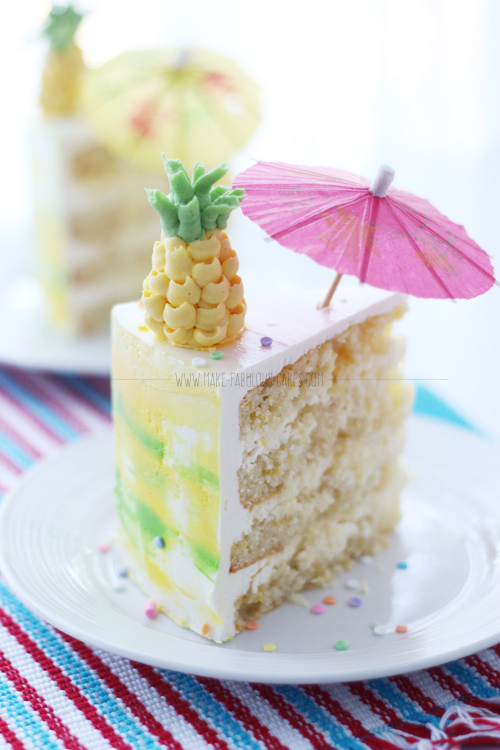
(378, 188)
(331, 292)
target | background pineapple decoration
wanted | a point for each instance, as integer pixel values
(193, 296)
(63, 65)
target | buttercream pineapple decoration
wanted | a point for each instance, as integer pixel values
(63, 65)
(193, 296)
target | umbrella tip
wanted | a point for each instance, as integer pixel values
(382, 181)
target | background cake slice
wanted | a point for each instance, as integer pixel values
(264, 472)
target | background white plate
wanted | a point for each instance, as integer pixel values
(449, 596)
(28, 340)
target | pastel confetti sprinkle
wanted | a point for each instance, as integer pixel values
(355, 601)
(216, 355)
(266, 341)
(367, 560)
(401, 629)
(380, 630)
(341, 645)
(353, 584)
(204, 628)
(159, 542)
(318, 609)
(363, 587)
(198, 362)
(330, 600)
(123, 572)
(298, 599)
(104, 547)
(151, 609)
(402, 565)
(269, 647)
(252, 625)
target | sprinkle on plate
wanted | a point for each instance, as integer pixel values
(330, 600)
(151, 609)
(318, 609)
(341, 645)
(252, 625)
(355, 601)
(216, 355)
(269, 647)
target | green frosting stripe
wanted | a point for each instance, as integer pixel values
(194, 206)
(205, 560)
(135, 513)
(146, 438)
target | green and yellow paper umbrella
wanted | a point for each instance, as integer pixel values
(188, 103)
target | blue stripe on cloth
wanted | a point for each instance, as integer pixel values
(83, 677)
(471, 680)
(86, 390)
(210, 708)
(44, 412)
(407, 709)
(16, 454)
(428, 404)
(13, 707)
(319, 718)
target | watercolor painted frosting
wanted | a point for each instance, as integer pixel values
(180, 449)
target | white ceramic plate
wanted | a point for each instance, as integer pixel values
(28, 340)
(449, 595)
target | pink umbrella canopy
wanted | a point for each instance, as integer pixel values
(388, 238)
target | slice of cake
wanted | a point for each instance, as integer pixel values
(253, 471)
(267, 471)
(92, 225)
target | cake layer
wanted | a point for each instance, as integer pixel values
(94, 229)
(182, 442)
(326, 547)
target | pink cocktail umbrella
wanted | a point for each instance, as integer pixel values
(386, 237)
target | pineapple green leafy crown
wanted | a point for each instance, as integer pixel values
(61, 25)
(194, 206)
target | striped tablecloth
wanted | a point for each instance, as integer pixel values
(57, 692)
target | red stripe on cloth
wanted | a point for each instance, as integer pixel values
(425, 702)
(71, 392)
(181, 705)
(459, 691)
(241, 712)
(33, 386)
(63, 682)
(129, 699)
(8, 735)
(38, 704)
(385, 711)
(485, 669)
(19, 440)
(356, 728)
(288, 712)
(10, 465)
(32, 417)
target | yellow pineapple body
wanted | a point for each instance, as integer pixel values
(193, 296)
(61, 80)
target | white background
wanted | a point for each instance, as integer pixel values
(350, 84)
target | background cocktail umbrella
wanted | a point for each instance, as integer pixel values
(386, 237)
(191, 104)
